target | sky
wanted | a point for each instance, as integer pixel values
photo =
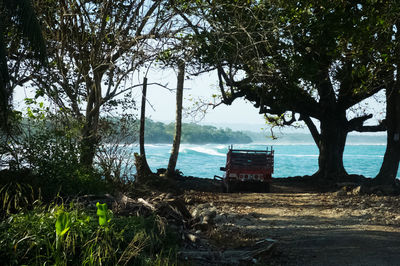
(241, 115)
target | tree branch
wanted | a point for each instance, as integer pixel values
(357, 122)
(313, 129)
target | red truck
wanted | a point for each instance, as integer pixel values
(248, 170)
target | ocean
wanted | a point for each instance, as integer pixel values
(290, 159)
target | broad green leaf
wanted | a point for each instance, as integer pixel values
(63, 223)
(102, 213)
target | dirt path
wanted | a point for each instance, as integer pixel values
(309, 228)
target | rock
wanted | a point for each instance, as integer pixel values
(205, 219)
(91, 200)
(202, 227)
(384, 190)
(346, 185)
(220, 219)
(195, 213)
(230, 217)
(193, 238)
(123, 199)
(188, 201)
(357, 191)
(243, 221)
(203, 206)
(340, 193)
(210, 213)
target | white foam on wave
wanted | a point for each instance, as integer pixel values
(366, 144)
(296, 155)
(219, 147)
(282, 143)
(363, 155)
(206, 151)
(158, 145)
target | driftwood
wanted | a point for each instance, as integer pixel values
(191, 226)
(249, 254)
(147, 204)
(172, 209)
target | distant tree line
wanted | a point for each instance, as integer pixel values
(158, 132)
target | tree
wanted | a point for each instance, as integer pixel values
(142, 167)
(388, 44)
(390, 165)
(94, 47)
(178, 121)
(19, 28)
(296, 60)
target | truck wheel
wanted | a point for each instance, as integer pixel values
(223, 187)
(228, 187)
(267, 187)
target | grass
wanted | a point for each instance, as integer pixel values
(71, 235)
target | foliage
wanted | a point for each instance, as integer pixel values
(157, 132)
(102, 212)
(15, 196)
(20, 39)
(309, 60)
(102, 44)
(113, 159)
(48, 148)
(72, 236)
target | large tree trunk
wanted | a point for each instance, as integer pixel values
(331, 142)
(178, 123)
(333, 129)
(88, 145)
(390, 165)
(90, 138)
(142, 167)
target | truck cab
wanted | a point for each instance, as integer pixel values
(248, 170)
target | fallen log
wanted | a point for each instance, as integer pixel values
(147, 204)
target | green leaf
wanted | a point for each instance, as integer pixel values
(63, 223)
(30, 113)
(102, 213)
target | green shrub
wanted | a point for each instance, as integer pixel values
(15, 196)
(49, 150)
(72, 236)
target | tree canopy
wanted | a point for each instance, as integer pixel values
(94, 47)
(20, 39)
(312, 61)
(308, 60)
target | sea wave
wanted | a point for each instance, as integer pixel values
(366, 144)
(220, 147)
(157, 145)
(283, 144)
(204, 150)
(363, 156)
(296, 155)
